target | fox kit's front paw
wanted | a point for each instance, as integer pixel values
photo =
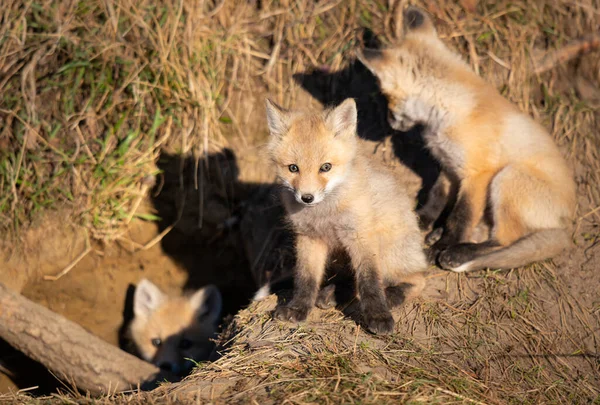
(380, 323)
(432, 254)
(434, 251)
(449, 259)
(291, 313)
(455, 256)
(326, 297)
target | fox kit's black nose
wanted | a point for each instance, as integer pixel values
(308, 198)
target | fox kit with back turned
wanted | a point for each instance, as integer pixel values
(172, 332)
(337, 197)
(501, 160)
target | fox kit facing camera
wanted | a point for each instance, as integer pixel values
(337, 197)
(173, 332)
(501, 161)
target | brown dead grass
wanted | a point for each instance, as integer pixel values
(93, 91)
(489, 340)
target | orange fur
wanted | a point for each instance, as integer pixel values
(172, 331)
(500, 157)
(357, 207)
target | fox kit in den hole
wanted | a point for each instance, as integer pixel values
(171, 331)
(337, 197)
(501, 162)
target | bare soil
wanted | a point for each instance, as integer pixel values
(528, 335)
(97, 292)
(542, 319)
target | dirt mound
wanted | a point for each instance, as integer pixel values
(86, 116)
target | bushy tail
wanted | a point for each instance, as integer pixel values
(538, 246)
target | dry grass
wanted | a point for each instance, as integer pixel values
(92, 91)
(496, 348)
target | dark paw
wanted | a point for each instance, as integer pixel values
(433, 252)
(452, 258)
(379, 323)
(326, 297)
(434, 236)
(291, 313)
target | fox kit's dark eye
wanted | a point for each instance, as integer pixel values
(185, 344)
(156, 342)
(325, 167)
(293, 168)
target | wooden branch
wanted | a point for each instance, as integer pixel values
(577, 47)
(67, 350)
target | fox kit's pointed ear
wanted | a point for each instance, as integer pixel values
(416, 21)
(277, 118)
(207, 303)
(342, 119)
(146, 299)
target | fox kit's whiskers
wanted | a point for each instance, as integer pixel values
(341, 199)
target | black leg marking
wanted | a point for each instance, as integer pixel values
(396, 295)
(376, 314)
(456, 255)
(305, 294)
(437, 200)
(457, 223)
(326, 297)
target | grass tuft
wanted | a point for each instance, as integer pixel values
(92, 92)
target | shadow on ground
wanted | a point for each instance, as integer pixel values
(233, 234)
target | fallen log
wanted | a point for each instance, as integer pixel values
(70, 352)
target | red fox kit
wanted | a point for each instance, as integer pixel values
(336, 197)
(500, 159)
(173, 332)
